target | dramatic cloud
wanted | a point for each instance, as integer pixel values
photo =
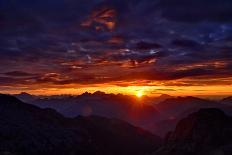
(79, 42)
(102, 19)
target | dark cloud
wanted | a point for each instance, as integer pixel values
(197, 10)
(147, 45)
(7, 81)
(19, 74)
(103, 41)
(185, 43)
(178, 74)
(137, 57)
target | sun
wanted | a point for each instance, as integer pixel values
(139, 94)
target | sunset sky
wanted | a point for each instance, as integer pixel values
(177, 47)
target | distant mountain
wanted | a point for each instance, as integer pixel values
(118, 106)
(148, 113)
(227, 100)
(206, 132)
(25, 97)
(164, 96)
(26, 129)
(162, 127)
(158, 99)
(174, 107)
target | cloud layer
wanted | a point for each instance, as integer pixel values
(63, 42)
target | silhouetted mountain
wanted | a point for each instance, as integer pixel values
(174, 109)
(227, 100)
(206, 132)
(25, 97)
(161, 98)
(118, 106)
(158, 118)
(26, 129)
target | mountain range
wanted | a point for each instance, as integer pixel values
(26, 129)
(159, 114)
(119, 106)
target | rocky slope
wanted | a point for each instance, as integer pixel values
(172, 110)
(206, 132)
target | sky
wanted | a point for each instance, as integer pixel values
(176, 47)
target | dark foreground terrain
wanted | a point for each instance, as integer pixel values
(206, 132)
(26, 129)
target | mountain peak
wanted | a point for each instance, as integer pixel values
(99, 93)
(199, 133)
(24, 93)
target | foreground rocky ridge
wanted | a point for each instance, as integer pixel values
(206, 132)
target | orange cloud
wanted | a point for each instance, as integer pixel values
(101, 19)
(116, 40)
(215, 64)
